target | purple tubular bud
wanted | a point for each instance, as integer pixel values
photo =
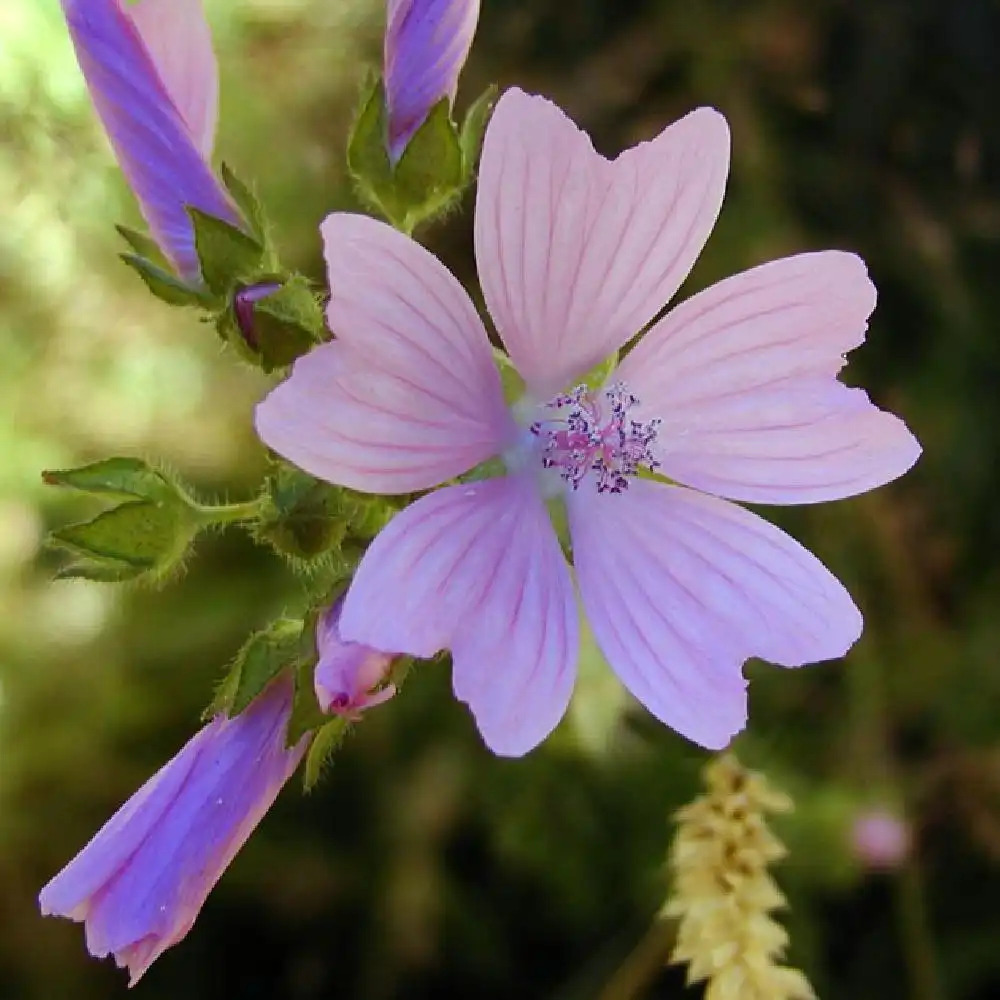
(426, 45)
(139, 884)
(347, 673)
(156, 146)
(243, 306)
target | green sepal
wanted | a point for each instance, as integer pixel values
(366, 515)
(147, 536)
(229, 333)
(598, 375)
(430, 174)
(164, 285)
(367, 158)
(599, 700)
(303, 519)
(287, 324)
(474, 128)
(280, 646)
(510, 378)
(325, 743)
(306, 716)
(120, 478)
(228, 256)
(143, 245)
(247, 202)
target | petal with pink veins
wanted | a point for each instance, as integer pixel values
(743, 376)
(179, 41)
(681, 588)
(408, 395)
(477, 569)
(577, 253)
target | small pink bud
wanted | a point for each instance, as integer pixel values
(880, 839)
(348, 673)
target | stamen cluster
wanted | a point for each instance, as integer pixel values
(592, 432)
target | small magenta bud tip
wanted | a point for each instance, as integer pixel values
(243, 306)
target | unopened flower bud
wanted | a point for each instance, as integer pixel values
(152, 76)
(426, 45)
(139, 884)
(348, 674)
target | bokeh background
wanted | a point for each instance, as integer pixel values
(423, 866)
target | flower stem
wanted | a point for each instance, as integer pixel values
(643, 964)
(229, 513)
(917, 942)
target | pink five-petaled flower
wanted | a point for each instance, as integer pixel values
(426, 45)
(347, 674)
(139, 884)
(733, 393)
(154, 81)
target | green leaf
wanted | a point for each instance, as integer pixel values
(264, 655)
(143, 245)
(430, 173)
(474, 128)
(162, 283)
(325, 744)
(247, 202)
(227, 255)
(147, 534)
(121, 478)
(100, 571)
(143, 534)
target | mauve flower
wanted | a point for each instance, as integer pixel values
(347, 673)
(733, 393)
(153, 79)
(139, 884)
(426, 45)
(880, 839)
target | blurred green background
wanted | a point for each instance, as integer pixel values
(422, 865)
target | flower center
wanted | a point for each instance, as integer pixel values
(590, 431)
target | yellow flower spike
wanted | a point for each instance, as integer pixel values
(723, 894)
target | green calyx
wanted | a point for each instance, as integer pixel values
(436, 167)
(317, 526)
(237, 262)
(273, 322)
